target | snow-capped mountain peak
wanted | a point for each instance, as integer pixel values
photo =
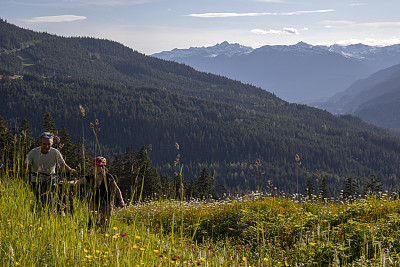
(222, 49)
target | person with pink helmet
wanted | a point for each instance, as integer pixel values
(101, 185)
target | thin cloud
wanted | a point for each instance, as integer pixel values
(270, 1)
(53, 19)
(338, 22)
(358, 4)
(345, 23)
(111, 2)
(229, 15)
(86, 3)
(284, 31)
(366, 41)
(380, 24)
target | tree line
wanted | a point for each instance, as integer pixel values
(139, 179)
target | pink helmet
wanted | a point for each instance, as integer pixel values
(101, 161)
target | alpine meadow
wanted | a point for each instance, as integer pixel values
(215, 172)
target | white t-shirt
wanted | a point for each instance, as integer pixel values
(44, 163)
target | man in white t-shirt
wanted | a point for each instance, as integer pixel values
(41, 163)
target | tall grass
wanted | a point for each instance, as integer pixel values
(365, 232)
(35, 236)
(255, 230)
(362, 233)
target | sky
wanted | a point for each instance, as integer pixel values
(152, 26)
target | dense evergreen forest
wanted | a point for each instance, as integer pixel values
(245, 136)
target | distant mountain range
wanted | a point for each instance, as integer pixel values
(300, 73)
(222, 49)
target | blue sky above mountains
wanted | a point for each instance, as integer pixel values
(151, 26)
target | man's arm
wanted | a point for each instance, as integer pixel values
(118, 193)
(61, 163)
(67, 168)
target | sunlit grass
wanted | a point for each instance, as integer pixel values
(256, 230)
(279, 231)
(29, 237)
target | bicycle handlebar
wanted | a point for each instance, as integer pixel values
(49, 174)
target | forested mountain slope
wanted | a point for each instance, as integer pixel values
(219, 123)
(375, 99)
(94, 59)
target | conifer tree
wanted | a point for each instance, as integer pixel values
(68, 149)
(3, 133)
(48, 124)
(350, 188)
(190, 189)
(6, 143)
(3, 138)
(372, 185)
(204, 187)
(125, 168)
(25, 130)
(310, 189)
(323, 189)
(148, 183)
(167, 186)
(25, 137)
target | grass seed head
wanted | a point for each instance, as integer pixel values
(82, 110)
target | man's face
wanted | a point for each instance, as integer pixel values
(45, 145)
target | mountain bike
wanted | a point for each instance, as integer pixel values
(50, 192)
